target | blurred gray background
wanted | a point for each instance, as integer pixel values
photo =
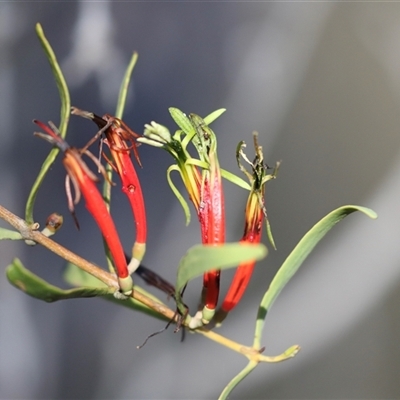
(321, 83)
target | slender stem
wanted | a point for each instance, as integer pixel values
(250, 352)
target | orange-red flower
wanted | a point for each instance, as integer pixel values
(254, 218)
(120, 140)
(84, 182)
(211, 212)
(203, 182)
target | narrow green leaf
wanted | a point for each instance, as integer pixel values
(235, 179)
(237, 379)
(9, 234)
(214, 115)
(202, 258)
(65, 114)
(296, 258)
(181, 120)
(60, 80)
(123, 92)
(36, 287)
(76, 277)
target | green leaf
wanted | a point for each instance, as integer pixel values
(60, 80)
(214, 115)
(229, 176)
(77, 277)
(296, 258)
(123, 92)
(181, 120)
(237, 379)
(34, 286)
(9, 234)
(65, 114)
(202, 258)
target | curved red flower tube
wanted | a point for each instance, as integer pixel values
(84, 182)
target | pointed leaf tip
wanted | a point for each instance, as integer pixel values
(38, 288)
(202, 258)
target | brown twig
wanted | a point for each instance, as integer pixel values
(31, 233)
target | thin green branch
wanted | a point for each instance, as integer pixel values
(64, 118)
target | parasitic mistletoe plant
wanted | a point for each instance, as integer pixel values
(203, 180)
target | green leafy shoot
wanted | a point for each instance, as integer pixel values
(65, 113)
(182, 120)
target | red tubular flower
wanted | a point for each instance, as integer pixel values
(84, 182)
(211, 212)
(252, 234)
(254, 218)
(118, 135)
(203, 182)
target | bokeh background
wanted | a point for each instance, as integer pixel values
(321, 83)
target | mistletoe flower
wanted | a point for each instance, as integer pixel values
(119, 139)
(203, 181)
(84, 182)
(159, 136)
(211, 213)
(254, 217)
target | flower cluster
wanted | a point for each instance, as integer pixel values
(119, 139)
(255, 213)
(202, 178)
